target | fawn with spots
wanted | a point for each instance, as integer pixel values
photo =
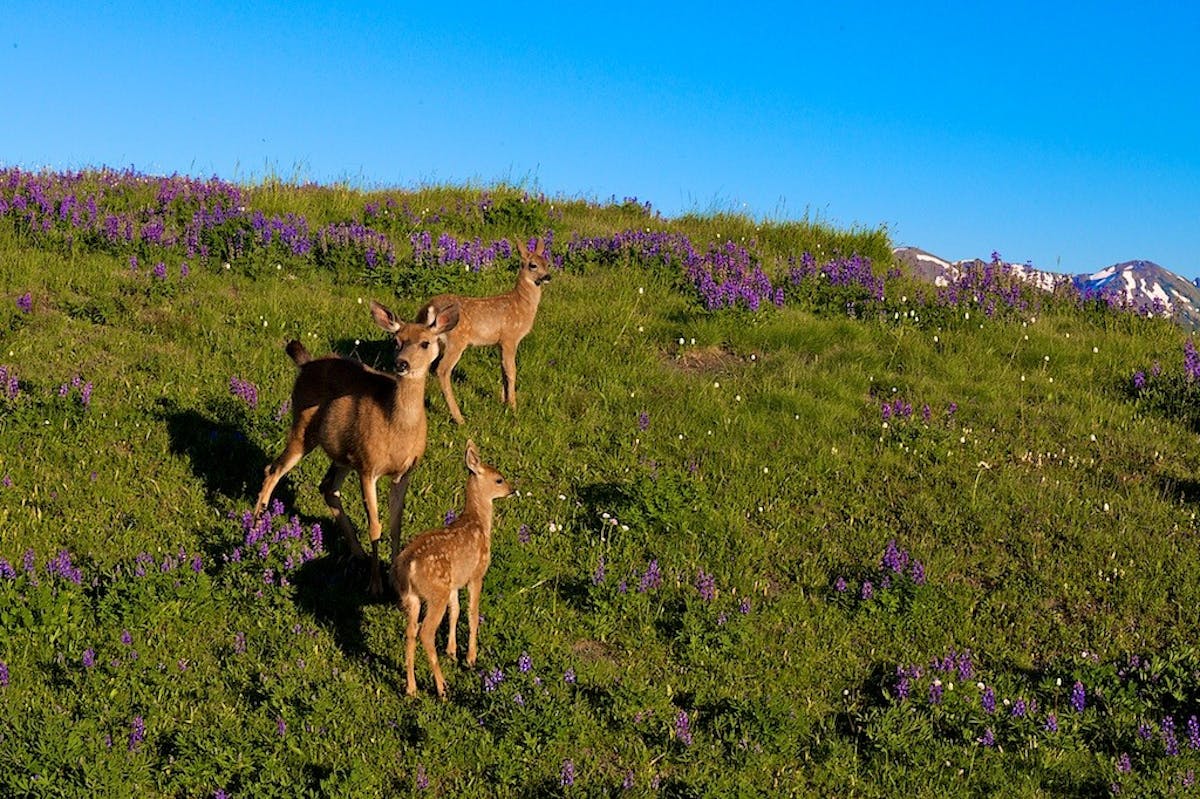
(436, 564)
(501, 320)
(366, 420)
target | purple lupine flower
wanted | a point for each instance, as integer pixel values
(89, 658)
(1123, 764)
(1193, 730)
(744, 606)
(518, 699)
(523, 534)
(1188, 779)
(935, 692)
(599, 573)
(988, 700)
(137, 733)
(706, 585)
(1019, 709)
(917, 572)
(628, 782)
(569, 676)
(1139, 380)
(281, 726)
(566, 774)
(1191, 360)
(1078, 697)
(839, 585)
(988, 738)
(492, 680)
(1051, 724)
(451, 515)
(126, 637)
(1168, 734)
(651, 579)
(868, 590)
(6, 570)
(525, 663)
(3, 674)
(683, 729)
(1144, 732)
(239, 642)
(25, 302)
(966, 667)
(422, 779)
(160, 270)
(643, 421)
(245, 390)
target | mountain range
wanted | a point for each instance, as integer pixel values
(1143, 285)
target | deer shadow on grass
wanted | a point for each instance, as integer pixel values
(333, 591)
(219, 451)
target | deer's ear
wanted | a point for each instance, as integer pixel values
(473, 464)
(384, 318)
(539, 246)
(443, 320)
(521, 250)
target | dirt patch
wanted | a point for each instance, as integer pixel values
(713, 358)
(593, 651)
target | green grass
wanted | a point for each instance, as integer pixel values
(1053, 512)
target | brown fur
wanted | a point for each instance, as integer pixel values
(437, 564)
(365, 420)
(501, 320)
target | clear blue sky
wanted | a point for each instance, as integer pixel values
(1070, 138)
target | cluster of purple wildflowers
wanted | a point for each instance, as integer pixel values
(683, 729)
(855, 271)
(10, 386)
(202, 218)
(706, 585)
(79, 385)
(651, 578)
(989, 287)
(244, 390)
(474, 254)
(277, 539)
(25, 302)
(1191, 360)
(896, 565)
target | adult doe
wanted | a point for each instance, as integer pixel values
(366, 420)
(436, 564)
(504, 319)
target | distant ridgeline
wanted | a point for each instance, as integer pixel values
(1141, 286)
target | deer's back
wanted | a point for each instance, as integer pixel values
(483, 321)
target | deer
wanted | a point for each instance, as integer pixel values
(503, 319)
(435, 565)
(365, 420)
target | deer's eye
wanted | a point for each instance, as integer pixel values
(424, 345)
(499, 480)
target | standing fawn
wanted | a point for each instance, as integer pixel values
(366, 420)
(436, 564)
(504, 319)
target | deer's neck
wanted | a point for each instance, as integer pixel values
(528, 292)
(479, 510)
(409, 410)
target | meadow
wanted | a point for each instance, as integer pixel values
(787, 522)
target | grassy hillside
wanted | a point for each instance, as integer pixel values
(788, 523)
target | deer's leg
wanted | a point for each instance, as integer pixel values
(508, 369)
(451, 641)
(412, 606)
(291, 455)
(331, 490)
(374, 530)
(473, 589)
(450, 358)
(435, 609)
(396, 497)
